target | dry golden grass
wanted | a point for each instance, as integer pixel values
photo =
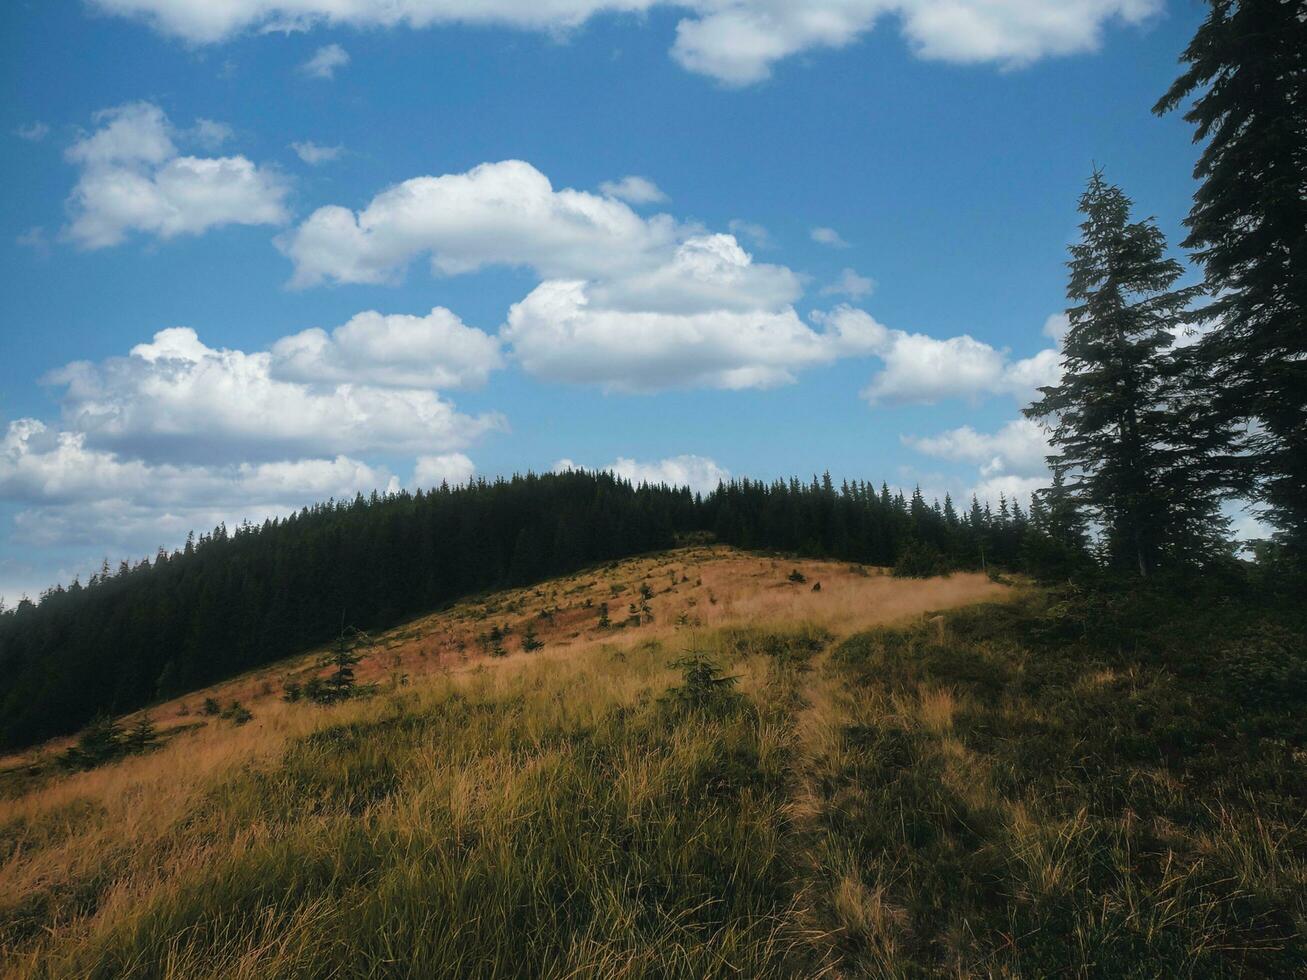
(885, 793)
(119, 822)
(722, 587)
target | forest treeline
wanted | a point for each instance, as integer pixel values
(234, 599)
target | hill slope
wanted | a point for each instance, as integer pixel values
(233, 601)
(820, 793)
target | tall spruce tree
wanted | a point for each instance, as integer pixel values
(1247, 68)
(1109, 415)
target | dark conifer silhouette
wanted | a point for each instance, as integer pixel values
(1247, 71)
(338, 685)
(1113, 417)
(530, 642)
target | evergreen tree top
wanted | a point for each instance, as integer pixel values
(1247, 73)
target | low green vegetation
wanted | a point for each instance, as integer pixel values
(339, 684)
(104, 740)
(920, 560)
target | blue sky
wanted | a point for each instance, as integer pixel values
(843, 253)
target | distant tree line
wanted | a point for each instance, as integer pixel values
(859, 522)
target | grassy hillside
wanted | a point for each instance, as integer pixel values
(838, 783)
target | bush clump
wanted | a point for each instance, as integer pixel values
(920, 560)
(104, 741)
(1264, 669)
(237, 714)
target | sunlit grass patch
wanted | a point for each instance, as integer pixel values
(558, 817)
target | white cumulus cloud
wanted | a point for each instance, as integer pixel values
(1019, 448)
(134, 180)
(177, 399)
(625, 302)
(179, 435)
(703, 273)
(504, 213)
(39, 464)
(737, 42)
(631, 303)
(558, 335)
(561, 332)
(918, 368)
(396, 350)
(74, 495)
(1015, 488)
